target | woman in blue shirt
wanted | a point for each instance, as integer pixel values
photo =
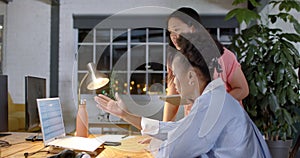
(217, 125)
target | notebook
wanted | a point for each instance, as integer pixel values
(53, 129)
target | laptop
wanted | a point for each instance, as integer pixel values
(53, 129)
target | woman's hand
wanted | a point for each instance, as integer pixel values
(111, 106)
(145, 141)
(118, 109)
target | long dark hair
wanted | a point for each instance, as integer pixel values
(190, 17)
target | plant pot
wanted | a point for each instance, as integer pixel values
(279, 148)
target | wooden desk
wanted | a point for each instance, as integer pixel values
(130, 148)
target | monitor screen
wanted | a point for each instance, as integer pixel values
(35, 88)
(3, 103)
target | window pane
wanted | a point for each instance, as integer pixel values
(155, 35)
(85, 36)
(102, 35)
(226, 34)
(120, 57)
(213, 32)
(156, 83)
(85, 55)
(156, 57)
(120, 35)
(103, 57)
(119, 83)
(138, 83)
(138, 35)
(138, 57)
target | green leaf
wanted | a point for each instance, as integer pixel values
(231, 14)
(254, 3)
(275, 53)
(250, 54)
(282, 96)
(274, 3)
(252, 88)
(294, 51)
(283, 59)
(251, 32)
(274, 106)
(296, 5)
(296, 26)
(237, 2)
(292, 78)
(291, 95)
(279, 74)
(287, 53)
(284, 16)
(252, 110)
(291, 37)
(287, 5)
(261, 72)
(285, 84)
(284, 6)
(261, 85)
(242, 15)
(287, 117)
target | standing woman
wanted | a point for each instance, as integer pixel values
(187, 20)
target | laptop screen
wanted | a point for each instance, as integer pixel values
(51, 119)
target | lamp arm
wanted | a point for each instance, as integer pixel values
(79, 87)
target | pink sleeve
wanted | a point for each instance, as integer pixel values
(229, 64)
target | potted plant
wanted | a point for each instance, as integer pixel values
(269, 59)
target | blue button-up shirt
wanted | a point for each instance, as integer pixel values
(217, 126)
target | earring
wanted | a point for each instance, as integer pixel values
(192, 83)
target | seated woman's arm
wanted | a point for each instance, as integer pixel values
(117, 108)
(150, 127)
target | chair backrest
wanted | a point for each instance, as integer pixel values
(11, 105)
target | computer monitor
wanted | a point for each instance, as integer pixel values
(35, 87)
(3, 103)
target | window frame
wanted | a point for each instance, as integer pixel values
(128, 44)
(216, 22)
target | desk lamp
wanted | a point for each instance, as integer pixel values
(94, 78)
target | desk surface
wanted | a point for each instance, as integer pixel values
(130, 148)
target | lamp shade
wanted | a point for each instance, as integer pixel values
(95, 79)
